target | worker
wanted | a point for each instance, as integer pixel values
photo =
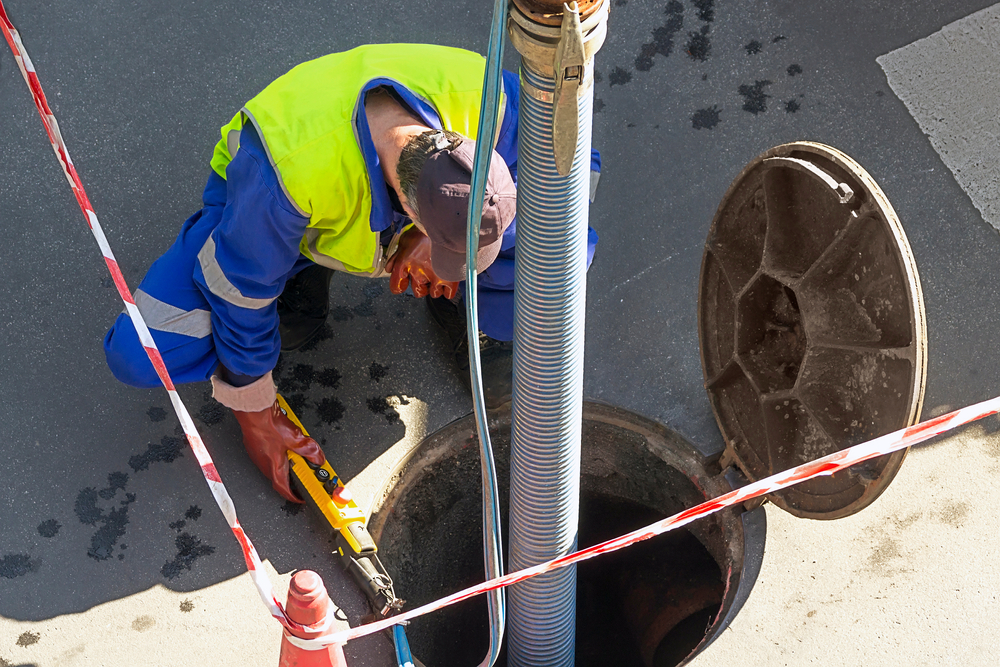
(359, 162)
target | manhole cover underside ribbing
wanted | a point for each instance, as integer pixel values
(811, 323)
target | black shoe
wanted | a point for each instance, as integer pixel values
(303, 306)
(496, 356)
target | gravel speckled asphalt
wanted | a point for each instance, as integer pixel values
(111, 549)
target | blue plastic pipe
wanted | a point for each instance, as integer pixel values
(403, 656)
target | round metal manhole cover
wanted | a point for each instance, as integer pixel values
(811, 324)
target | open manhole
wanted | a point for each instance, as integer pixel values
(813, 338)
(652, 604)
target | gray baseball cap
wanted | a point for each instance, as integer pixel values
(443, 204)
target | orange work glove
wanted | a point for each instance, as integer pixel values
(267, 436)
(410, 265)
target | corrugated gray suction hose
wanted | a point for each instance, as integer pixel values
(550, 285)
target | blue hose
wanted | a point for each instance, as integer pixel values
(403, 656)
(492, 540)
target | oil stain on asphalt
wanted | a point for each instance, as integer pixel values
(295, 383)
(754, 97)
(301, 377)
(663, 37)
(330, 410)
(377, 371)
(167, 451)
(49, 528)
(189, 550)
(699, 49)
(619, 76)
(189, 547)
(211, 412)
(329, 378)
(292, 509)
(386, 406)
(705, 118)
(111, 522)
(343, 313)
(17, 565)
(107, 508)
(699, 46)
(28, 639)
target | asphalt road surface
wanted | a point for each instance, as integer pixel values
(111, 548)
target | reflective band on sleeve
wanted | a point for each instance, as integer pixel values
(219, 284)
(595, 177)
(161, 316)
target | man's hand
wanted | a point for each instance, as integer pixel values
(410, 265)
(267, 436)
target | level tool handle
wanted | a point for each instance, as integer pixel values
(321, 488)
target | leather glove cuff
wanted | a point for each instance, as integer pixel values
(256, 396)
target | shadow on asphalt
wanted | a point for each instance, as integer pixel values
(136, 512)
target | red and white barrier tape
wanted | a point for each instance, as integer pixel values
(197, 446)
(827, 465)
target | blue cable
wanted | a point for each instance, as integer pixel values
(403, 656)
(488, 113)
(492, 540)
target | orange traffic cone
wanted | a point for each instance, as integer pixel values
(308, 604)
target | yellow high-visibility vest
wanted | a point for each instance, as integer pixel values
(307, 122)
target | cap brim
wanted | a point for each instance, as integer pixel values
(450, 265)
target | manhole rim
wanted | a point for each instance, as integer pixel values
(664, 443)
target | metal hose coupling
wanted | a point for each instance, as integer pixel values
(558, 41)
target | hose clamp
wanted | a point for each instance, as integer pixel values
(569, 66)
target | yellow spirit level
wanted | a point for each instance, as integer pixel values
(321, 488)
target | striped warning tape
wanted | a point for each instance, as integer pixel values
(194, 439)
(886, 444)
(827, 465)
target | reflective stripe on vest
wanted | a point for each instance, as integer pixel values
(307, 123)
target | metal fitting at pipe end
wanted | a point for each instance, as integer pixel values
(570, 67)
(565, 55)
(538, 40)
(549, 12)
